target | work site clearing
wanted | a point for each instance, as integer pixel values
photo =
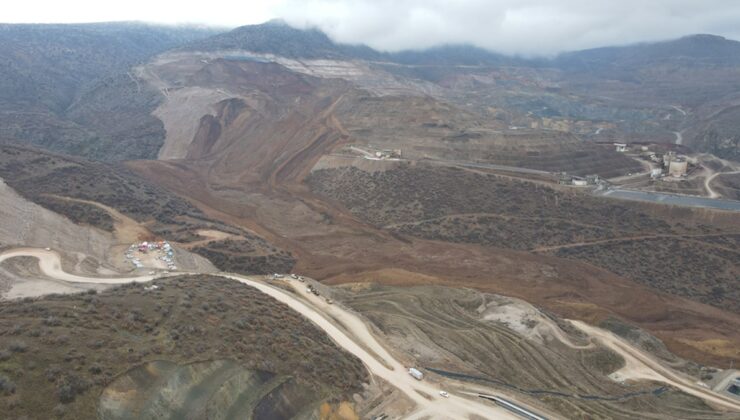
(420, 395)
(159, 254)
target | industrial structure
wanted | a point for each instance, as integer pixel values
(674, 165)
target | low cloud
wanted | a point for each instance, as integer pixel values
(525, 27)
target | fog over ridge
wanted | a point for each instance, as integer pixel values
(519, 27)
(525, 27)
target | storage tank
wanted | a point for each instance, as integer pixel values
(677, 167)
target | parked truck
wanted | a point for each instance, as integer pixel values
(416, 373)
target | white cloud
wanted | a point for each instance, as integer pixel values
(221, 13)
(509, 26)
(513, 26)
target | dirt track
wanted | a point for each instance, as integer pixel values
(51, 265)
(358, 340)
(709, 179)
(424, 394)
(628, 239)
(641, 366)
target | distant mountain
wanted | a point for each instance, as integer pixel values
(466, 55)
(700, 73)
(276, 37)
(696, 49)
(691, 51)
(71, 88)
(49, 63)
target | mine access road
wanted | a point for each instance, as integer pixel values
(356, 338)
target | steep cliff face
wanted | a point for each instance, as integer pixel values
(247, 121)
(23, 222)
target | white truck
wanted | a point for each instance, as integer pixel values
(416, 373)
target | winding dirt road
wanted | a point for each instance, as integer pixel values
(429, 404)
(709, 179)
(356, 338)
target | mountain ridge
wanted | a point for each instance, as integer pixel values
(255, 37)
(64, 93)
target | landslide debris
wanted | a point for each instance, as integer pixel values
(43, 178)
(664, 249)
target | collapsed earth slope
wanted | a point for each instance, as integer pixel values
(255, 130)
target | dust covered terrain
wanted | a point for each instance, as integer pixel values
(502, 342)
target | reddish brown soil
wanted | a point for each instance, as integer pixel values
(347, 250)
(249, 172)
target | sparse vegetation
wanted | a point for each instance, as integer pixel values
(43, 178)
(251, 256)
(85, 341)
(728, 185)
(426, 201)
(682, 267)
(80, 213)
(688, 258)
(36, 175)
(66, 87)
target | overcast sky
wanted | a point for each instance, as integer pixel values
(510, 26)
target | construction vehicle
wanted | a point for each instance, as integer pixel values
(416, 373)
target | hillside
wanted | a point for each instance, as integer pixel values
(276, 37)
(618, 92)
(270, 149)
(47, 65)
(247, 133)
(102, 109)
(130, 352)
(47, 68)
(460, 206)
(50, 180)
(693, 51)
(453, 331)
